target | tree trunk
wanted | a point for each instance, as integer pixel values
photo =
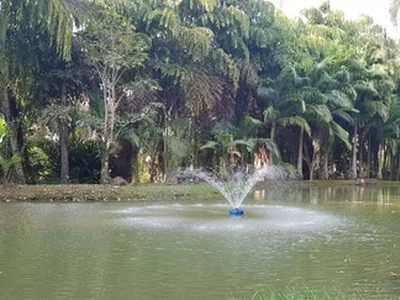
(272, 137)
(397, 166)
(316, 159)
(165, 144)
(194, 145)
(19, 176)
(64, 134)
(369, 156)
(392, 166)
(19, 171)
(300, 154)
(105, 168)
(353, 164)
(324, 173)
(324, 150)
(360, 154)
(381, 161)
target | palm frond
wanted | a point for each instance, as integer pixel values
(224, 128)
(321, 113)
(296, 121)
(338, 99)
(344, 115)
(209, 145)
(267, 143)
(267, 94)
(178, 146)
(270, 114)
(341, 134)
(378, 108)
(247, 125)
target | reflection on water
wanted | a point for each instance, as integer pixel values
(320, 236)
(314, 194)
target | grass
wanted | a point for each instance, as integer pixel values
(304, 293)
(104, 193)
(144, 192)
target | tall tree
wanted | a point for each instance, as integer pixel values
(114, 49)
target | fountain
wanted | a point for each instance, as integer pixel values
(236, 185)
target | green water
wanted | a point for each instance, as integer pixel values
(346, 238)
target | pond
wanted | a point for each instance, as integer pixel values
(321, 236)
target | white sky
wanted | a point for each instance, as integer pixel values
(378, 9)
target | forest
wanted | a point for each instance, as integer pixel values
(91, 90)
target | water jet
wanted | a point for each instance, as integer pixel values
(236, 185)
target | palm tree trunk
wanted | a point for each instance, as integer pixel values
(397, 166)
(360, 154)
(19, 176)
(353, 164)
(193, 142)
(64, 137)
(165, 150)
(369, 156)
(300, 154)
(272, 137)
(385, 162)
(316, 159)
(324, 149)
(315, 171)
(324, 173)
(380, 161)
(392, 166)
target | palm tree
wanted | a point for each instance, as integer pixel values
(233, 142)
(22, 25)
(285, 98)
(57, 17)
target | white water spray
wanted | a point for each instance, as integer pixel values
(237, 185)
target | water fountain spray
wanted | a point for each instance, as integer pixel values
(236, 185)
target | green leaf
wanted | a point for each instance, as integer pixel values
(2, 130)
(209, 145)
(340, 133)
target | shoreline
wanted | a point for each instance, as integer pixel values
(133, 193)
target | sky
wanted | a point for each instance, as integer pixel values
(378, 9)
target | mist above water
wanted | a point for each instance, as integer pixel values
(236, 184)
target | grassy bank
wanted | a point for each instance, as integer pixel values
(304, 293)
(95, 192)
(86, 192)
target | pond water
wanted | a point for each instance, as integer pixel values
(347, 238)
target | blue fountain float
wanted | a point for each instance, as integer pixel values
(236, 211)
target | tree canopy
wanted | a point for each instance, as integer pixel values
(94, 89)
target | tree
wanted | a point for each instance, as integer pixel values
(286, 106)
(20, 21)
(233, 142)
(114, 49)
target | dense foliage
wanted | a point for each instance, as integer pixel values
(94, 89)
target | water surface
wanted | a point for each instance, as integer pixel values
(321, 237)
